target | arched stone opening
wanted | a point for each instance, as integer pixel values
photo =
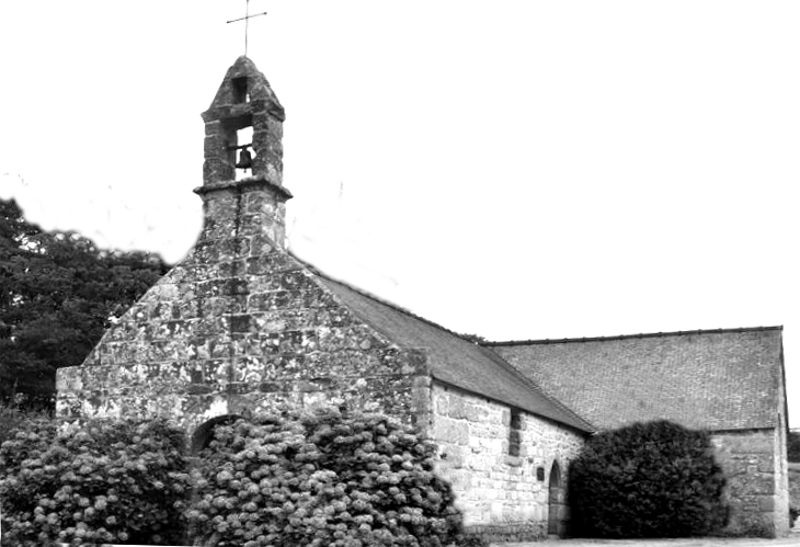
(556, 503)
(204, 432)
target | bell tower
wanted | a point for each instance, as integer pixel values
(243, 153)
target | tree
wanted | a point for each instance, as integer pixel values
(57, 293)
(793, 446)
(474, 338)
(656, 479)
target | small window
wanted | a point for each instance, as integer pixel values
(514, 433)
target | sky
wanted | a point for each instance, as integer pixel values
(517, 169)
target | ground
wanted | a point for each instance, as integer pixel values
(793, 539)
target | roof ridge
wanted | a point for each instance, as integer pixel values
(629, 336)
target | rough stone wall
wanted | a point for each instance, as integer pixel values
(748, 459)
(782, 524)
(240, 326)
(500, 495)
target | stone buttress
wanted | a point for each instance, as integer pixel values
(240, 325)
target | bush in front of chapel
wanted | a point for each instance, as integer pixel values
(655, 479)
(105, 481)
(321, 479)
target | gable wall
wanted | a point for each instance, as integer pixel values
(499, 494)
(241, 326)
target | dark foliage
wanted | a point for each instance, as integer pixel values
(656, 479)
(57, 295)
(793, 446)
(474, 338)
(321, 479)
(107, 481)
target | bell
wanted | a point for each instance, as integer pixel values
(245, 159)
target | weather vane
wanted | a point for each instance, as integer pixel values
(246, 20)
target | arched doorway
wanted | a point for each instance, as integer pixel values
(556, 503)
(202, 435)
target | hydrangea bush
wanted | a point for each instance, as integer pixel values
(321, 479)
(106, 481)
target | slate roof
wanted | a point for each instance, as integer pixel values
(715, 380)
(454, 360)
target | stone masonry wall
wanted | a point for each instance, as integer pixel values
(781, 511)
(748, 460)
(500, 495)
(240, 326)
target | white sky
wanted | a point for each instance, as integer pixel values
(517, 169)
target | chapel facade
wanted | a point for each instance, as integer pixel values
(241, 326)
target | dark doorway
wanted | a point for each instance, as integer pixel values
(203, 434)
(556, 503)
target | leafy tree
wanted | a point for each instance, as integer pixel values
(656, 479)
(793, 446)
(474, 338)
(57, 294)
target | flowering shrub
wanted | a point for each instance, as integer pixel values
(321, 479)
(14, 415)
(107, 481)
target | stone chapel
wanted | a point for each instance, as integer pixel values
(241, 326)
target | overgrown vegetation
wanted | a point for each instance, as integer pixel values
(318, 479)
(107, 481)
(15, 415)
(321, 479)
(793, 446)
(57, 295)
(655, 479)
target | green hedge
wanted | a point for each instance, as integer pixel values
(321, 479)
(655, 479)
(107, 481)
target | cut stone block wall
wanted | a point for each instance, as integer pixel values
(500, 495)
(756, 490)
(782, 521)
(240, 325)
(236, 329)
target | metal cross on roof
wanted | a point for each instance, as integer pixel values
(246, 20)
